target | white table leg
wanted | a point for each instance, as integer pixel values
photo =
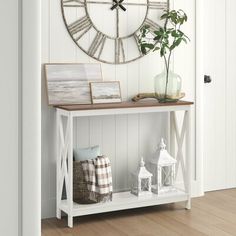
(70, 171)
(58, 213)
(70, 221)
(182, 135)
(172, 134)
(188, 158)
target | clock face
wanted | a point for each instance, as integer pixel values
(107, 30)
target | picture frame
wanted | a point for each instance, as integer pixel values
(68, 83)
(105, 92)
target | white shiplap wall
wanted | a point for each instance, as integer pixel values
(219, 96)
(123, 138)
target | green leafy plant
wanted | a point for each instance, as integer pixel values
(164, 39)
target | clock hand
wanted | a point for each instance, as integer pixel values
(121, 6)
(114, 5)
(117, 3)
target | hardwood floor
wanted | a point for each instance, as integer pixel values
(213, 215)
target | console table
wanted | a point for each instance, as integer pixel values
(122, 200)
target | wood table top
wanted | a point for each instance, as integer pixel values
(128, 104)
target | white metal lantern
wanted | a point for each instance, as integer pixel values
(141, 181)
(163, 167)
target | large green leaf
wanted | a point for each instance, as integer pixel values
(148, 45)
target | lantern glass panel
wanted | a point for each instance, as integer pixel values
(167, 175)
(145, 184)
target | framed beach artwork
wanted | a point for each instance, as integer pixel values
(69, 83)
(105, 92)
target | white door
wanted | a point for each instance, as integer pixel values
(220, 94)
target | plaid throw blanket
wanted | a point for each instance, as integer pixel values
(97, 173)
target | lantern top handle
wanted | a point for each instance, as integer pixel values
(162, 144)
(142, 163)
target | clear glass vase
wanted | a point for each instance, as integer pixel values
(168, 91)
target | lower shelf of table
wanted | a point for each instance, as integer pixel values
(124, 200)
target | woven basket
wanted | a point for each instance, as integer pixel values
(80, 191)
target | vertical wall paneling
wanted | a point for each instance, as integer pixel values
(215, 97)
(82, 132)
(109, 142)
(184, 65)
(121, 168)
(95, 131)
(219, 96)
(132, 144)
(199, 116)
(122, 138)
(62, 48)
(230, 33)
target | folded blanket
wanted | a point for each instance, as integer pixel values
(97, 173)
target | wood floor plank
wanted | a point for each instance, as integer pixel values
(227, 228)
(200, 219)
(214, 208)
(174, 225)
(230, 192)
(139, 225)
(211, 215)
(218, 232)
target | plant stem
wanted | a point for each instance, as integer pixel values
(167, 64)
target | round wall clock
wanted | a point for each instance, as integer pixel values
(107, 30)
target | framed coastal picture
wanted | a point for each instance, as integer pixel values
(69, 83)
(105, 92)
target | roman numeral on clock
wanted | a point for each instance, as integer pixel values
(119, 51)
(83, 24)
(73, 3)
(137, 44)
(97, 44)
(158, 5)
(153, 25)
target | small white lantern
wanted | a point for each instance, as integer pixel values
(141, 181)
(163, 166)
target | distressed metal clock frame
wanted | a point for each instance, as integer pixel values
(84, 24)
